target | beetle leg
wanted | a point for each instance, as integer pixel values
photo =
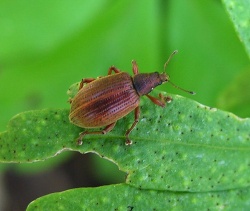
(165, 99)
(113, 68)
(160, 102)
(135, 67)
(107, 129)
(137, 115)
(86, 80)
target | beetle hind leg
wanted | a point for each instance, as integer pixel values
(85, 81)
(107, 129)
(137, 116)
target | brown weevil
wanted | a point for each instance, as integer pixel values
(101, 102)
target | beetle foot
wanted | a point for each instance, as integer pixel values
(128, 142)
(79, 142)
(168, 99)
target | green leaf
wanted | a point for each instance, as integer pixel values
(239, 11)
(125, 197)
(183, 147)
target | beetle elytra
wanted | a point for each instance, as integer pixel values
(101, 102)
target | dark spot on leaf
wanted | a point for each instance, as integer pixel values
(130, 208)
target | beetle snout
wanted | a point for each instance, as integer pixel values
(164, 77)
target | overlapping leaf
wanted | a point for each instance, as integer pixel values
(125, 197)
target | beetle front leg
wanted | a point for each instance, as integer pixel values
(107, 129)
(160, 102)
(137, 116)
(113, 68)
(86, 81)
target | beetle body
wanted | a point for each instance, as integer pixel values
(104, 101)
(101, 102)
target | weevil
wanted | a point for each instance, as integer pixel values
(101, 102)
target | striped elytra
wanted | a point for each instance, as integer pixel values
(104, 101)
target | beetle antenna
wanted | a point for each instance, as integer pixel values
(169, 58)
(177, 87)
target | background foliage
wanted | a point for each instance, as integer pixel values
(47, 46)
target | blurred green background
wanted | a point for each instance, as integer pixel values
(45, 46)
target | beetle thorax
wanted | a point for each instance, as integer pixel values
(145, 82)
